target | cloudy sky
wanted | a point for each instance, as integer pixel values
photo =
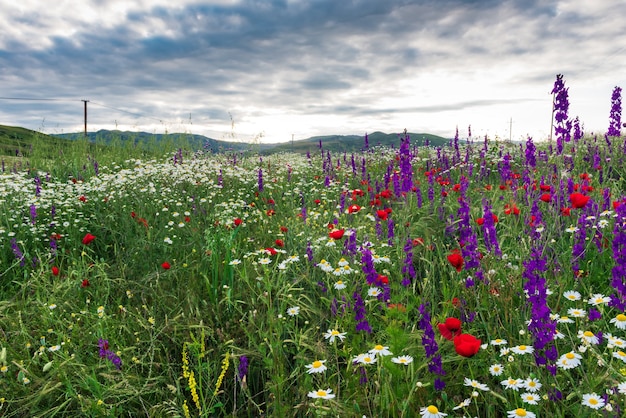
(270, 69)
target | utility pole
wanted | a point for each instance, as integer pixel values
(510, 129)
(85, 101)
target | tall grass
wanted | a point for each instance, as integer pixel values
(202, 295)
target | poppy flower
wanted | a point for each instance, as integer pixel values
(566, 211)
(615, 204)
(317, 201)
(166, 265)
(578, 200)
(544, 188)
(386, 194)
(382, 279)
(354, 208)
(450, 328)
(336, 233)
(271, 251)
(382, 214)
(270, 212)
(466, 345)
(82, 198)
(279, 243)
(88, 238)
(546, 197)
(503, 187)
(417, 241)
(456, 260)
(508, 209)
(55, 271)
(284, 229)
(85, 283)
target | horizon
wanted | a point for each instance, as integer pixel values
(281, 70)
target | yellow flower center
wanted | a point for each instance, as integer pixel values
(621, 354)
(339, 282)
(522, 347)
(317, 364)
(588, 334)
(378, 347)
(520, 412)
(432, 409)
(321, 393)
(334, 332)
(621, 317)
(367, 359)
(570, 356)
(593, 401)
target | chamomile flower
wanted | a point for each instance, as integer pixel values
(339, 285)
(293, 311)
(576, 313)
(619, 321)
(321, 394)
(621, 388)
(234, 262)
(54, 348)
(498, 341)
(523, 349)
(374, 291)
(530, 398)
(332, 334)
(316, 367)
(511, 383)
(431, 411)
(464, 404)
(366, 358)
(620, 355)
(380, 350)
(588, 337)
(406, 360)
(593, 401)
(569, 360)
(598, 299)
(572, 295)
(532, 384)
(496, 369)
(520, 413)
(475, 384)
(264, 261)
(615, 341)
(565, 320)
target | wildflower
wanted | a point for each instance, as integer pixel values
(475, 384)
(54, 348)
(499, 341)
(87, 239)
(456, 260)
(316, 367)
(464, 404)
(621, 388)
(572, 295)
(406, 360)
(564, 320)
(511, 383)
(264, 261)
(577, 313)
(364, 359)
(331, 334)
(532, 384)
(450, 328)
(374, 291)
(619, 321)
(620, 355)
(55, 271)
(84, 283)
(466, 345)
(234, 262)
(598, 299)
(530, 398)
(431, 411)
(379, 349)
(339, 285)
(293, 311)
(496, 369)
(578, 200)
(336, 234)
(588, 337)
(322, 394)
(523, 349)
(519, 413)
(165, 265)
(569, 360)
(593, 401)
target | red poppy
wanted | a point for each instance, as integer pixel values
(284, 229)
(270, 201)
(456, 260)
(566, 211)
(546, 197)
(354, 208)
(317, 201)
(480, 221)
(488, 187)
(578, 200)
(271, 212)
(466, 345)
(279, 243)
(615, 204)
(398, 306)
(503, 187)
(271, 251)
(444, 193)
(88, 238)
(237, 221)
(386, 194)
(456, 302)
(382, 279)
(382, 214)
(55, 271)
(336, 233)
(508, 209)
(544, 188)
(418, 241)
(166, 265)
(133, 214)
(84, 283)
(450, 328)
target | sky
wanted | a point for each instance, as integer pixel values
(277, 70)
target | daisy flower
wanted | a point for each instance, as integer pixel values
(499, 341)
(530, 398)
(367, 358)
(293, 311)
(321, 394)
(373, 291)
(620, 355)
(316, 367)
(619, 321)
(520, 412)
(565, 320)
(593, 401)
(431, 411)
(464, 404)
(576, 313)
(339, 284)
(496, 369)
(588, 337)
(621, 388)
(511, 383)
(523, 349)
(406, 360)
(379, 349)
(532, 384)
(264, 261)
(569, 360)
(615, 341)
(331, 334)
(475, 384)
(234, 262)
(598, 299)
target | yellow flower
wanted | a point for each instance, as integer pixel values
(222, 374)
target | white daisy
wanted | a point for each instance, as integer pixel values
(620, 355)
(321, 394)
(496, 369)
(569, 360)
(532, 384)
(475, 384)
(593, 401)
(431, 411)
(576, 313)
(619, 321)
(379, 349)
(339, 284)
(598, 299)
(373, 291)
(530, 398)
(520, 413)
(511, 383)
(316, 367)
(331, 334)
(406, 360)
(588, 337)
(367, 358)
(523, 349)
(293, 311)
(499, 341)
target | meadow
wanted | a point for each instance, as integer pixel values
(478, 279)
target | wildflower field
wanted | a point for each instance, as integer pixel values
(480, 279)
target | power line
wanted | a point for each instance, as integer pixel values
(35, 99)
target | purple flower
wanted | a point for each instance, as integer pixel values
(618, 281)
(260, 179)
(561, 106)
(242, 369)
(360, 314)
(105, 353)
(17, 252)
(430, 346)
(616, 113)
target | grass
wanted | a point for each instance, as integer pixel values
(211, 286)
